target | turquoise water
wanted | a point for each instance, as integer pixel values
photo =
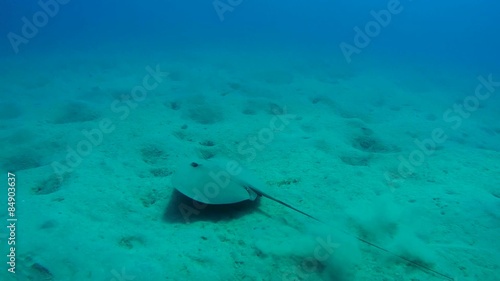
(380, 119)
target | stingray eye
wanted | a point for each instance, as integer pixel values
(194, 164)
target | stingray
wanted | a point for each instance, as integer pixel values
(226, 182)
(211, 182)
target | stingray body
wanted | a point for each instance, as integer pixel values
(212, 182)
(220, 182)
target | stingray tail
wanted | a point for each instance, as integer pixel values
(418, 265)
(281, 202)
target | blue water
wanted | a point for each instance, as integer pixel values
(457, 32)
(378, 117)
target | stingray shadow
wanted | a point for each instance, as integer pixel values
(182, 209)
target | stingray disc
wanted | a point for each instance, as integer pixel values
(213, 182)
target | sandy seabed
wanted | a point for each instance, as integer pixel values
(380, 152)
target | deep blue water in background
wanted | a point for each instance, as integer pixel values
(463, 32)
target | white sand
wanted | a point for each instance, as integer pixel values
(113, 217)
